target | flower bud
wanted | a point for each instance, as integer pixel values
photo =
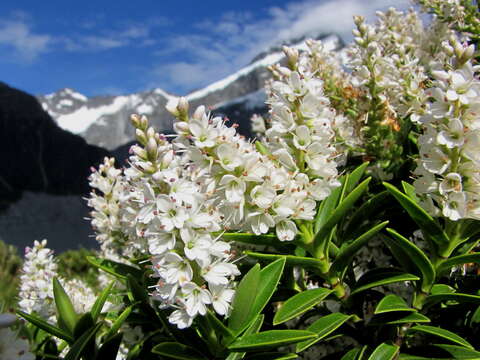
(141, 136)
(292, 57)
(140, 152)
(199, 113)
(152, 149)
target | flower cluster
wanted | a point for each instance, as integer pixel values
(36, 291)
(164, 212)
(253, 189)
(448, 172)
(304, 128)
(12, 347)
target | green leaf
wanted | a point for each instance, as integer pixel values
(441, 289)
(426, 222)
(78, 347)
(118, 270)
(175, 350)
(299, 303)
(365, 212)
(291, 260)
(328, 205)
(459, 352)
(102, 298)
(458, 297)
(252, 329)
(404, 249)
(119, 321)
(447, 264)
(323, 327)
(346, 254)
(42, 324)
(445, 334)
(109, 349)
(83, 324)
(384, 352)
(220, 328)
(410, 318)
(322, 236)
(355, 176)
(415, 357)
(409, 190)
(269, 277)
(270, 339)
(243, 301)
(65, 310)
(392, 303)
(135, 291)
(273, 356)
(354, 354)
(381, 276)
(475, 318)
(268, 239)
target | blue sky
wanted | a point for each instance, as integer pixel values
(119, 46)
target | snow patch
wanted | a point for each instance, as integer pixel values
(330, 43)
(250, 101)
(81, 119)
(145, 109)
(65, 102)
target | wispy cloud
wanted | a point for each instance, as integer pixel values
(17, 36)
(232, 41)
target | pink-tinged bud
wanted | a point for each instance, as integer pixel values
(172, 106)
(199, 113)
(135, 120)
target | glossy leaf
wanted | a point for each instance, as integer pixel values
(323, 327)
(459, 352)
(419, 215)
(220, 328)
(175, 350)
(365, 212)
(84, 323)
(300, 303)
(447, 264)
(273, 356)
(116, 269)
(268, 239)
(109, 349)
(392, 303)
(119, 321)
(100, 302)
(403, 248)
(42, 324)
(461, 298)
(384, 352)
(291, 260)
(252, 329)
(410, 318)
(271, 339)
(65, 309)
(409, 190)
(346, 254)
(328, 205)
(354, 354)
(321, 237)
(381, 276)
(242, 305)
(136, 292)
(445, 334)
(78, 347)
(269, 277)
(355, 176)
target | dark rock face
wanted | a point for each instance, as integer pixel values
(43, 176)
(37, 154)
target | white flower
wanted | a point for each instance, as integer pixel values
(286, 230)
(220, 272)
(455, 207)
(176, 269)
(181, 319)
(222, 297)
(195, 299)
(6, 320)
(13, 347)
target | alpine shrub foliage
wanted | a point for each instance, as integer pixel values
(348, 230)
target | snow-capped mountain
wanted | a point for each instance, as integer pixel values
(104, 120)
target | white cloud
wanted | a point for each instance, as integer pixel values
(17, 35)
(232, 41)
